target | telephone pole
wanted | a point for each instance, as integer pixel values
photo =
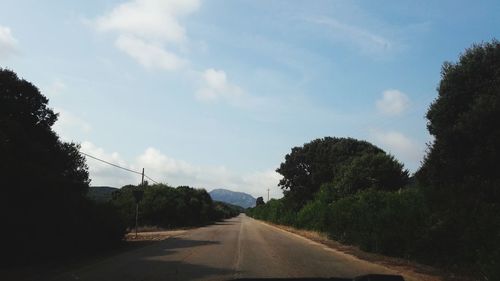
(268, 194)
(137, 199)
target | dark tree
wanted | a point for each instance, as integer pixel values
(461, 170)
(30, 149)
(465, 122)
(306, 168)
(379, 171)
(44, 180)
(259, 201)
(166, 206)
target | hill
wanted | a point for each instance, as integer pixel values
(235, 198)
(101, 193)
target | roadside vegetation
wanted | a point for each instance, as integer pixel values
(45, 213)
(447, 214)
(169, 207)
(45, 210)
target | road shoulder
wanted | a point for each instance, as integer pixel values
(411, 271)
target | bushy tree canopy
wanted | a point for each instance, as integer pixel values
(33, 156)
(259, 201)
(465, 122)
(44, 182)
(320, 161)
(461, 171)
(167, 206)
(377, 170)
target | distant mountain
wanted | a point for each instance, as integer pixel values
(236, 198)
(101, 193)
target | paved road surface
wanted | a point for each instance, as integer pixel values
(237, 248)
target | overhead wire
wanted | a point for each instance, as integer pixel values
(117, 166)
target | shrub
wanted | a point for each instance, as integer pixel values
(385, 222)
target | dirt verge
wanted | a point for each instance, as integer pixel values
(409, 269)
(152, 235)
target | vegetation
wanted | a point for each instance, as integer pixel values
(45, 211)
(168, 207)
(259, 201)
(329, 159)
(461, 171)
(449, 217)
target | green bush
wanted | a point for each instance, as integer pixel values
(274, 211)
(167, 207)
(386, 222)
(313, 216)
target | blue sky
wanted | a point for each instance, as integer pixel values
(215, 93)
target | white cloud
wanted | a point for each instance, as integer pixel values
(149, 54)
(393, 102)
(396, 143)
(215, 86)
(104, 174)
(56, 88)
(152, 19)
(364, 39)
(259, 182)
(160, 164)
(69, 125)
(146, 28)
(175, 172)
(8, 44)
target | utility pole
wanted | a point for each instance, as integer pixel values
(268, 194)
(142, 180)
(137, 199)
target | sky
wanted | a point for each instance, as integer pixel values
(214, 94)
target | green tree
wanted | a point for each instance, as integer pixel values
(461, 170)
(379, 171)
(45, 180)
(167, 206)
(259, 201)
(465, 123)
(306, 168)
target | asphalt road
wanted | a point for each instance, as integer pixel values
(237, 248)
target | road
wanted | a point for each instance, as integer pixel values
(236, 248)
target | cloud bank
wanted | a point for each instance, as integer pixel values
(150, 30)
(393, 102)
(8, 44)
(217, 87)
(399, 145)
(175, 172)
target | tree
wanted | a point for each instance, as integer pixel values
(44, 179)
(379, 171)
(166, 206)
(306, 168)
(465, 123)
(461, 171)
(259, 201)
(32, 153)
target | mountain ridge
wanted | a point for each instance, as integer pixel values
(241, 199)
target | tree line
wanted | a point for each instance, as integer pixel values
(45, 211)
(165, 206)
(447, 214)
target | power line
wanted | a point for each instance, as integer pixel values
(150, 179)
(117, 166)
